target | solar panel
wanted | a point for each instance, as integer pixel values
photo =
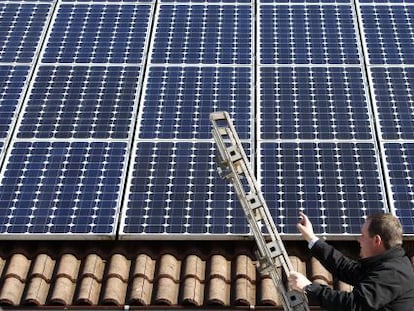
(12, 82)
(62, 187)
(394, 99)
(175, 189)
(98, 33)
(207, 1)
(304, 1)
(313, 103)
(387, 1)
(389, 33)
(300, 34)
(114, 76)
(81, 102)
(32, 1)
(21, 25)
(336, 184)
(106, 1)
(178, 100)
(400, 172)
(207, 34)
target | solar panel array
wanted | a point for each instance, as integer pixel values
(104, 115)
(389, 35)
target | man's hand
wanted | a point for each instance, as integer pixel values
(305, 227)
(298, 281)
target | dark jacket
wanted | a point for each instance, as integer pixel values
(383, 282)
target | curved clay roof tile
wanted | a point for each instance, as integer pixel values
(14, 280)
(142, 283)
(65, 280)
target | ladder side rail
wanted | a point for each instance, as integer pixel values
(239, 157)
(258, 217)
(231, 133)
(273, 254)
(266, 253)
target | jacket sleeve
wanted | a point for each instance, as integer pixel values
(379, 289)
(334, 300)
(334, 261)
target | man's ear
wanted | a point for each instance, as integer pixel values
(378, 240)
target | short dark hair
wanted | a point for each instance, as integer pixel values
(388, 227)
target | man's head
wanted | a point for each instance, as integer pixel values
(379, 233)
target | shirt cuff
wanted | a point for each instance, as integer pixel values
(312, 242)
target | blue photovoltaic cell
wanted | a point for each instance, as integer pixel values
(178, 101)
(298, 34)
(400, 164)
(394, 97)
(98, 33)
(313, 103)
(62, 187)
(81, 102)
(208, 34)
(335, 184)
(12, 81)
(21, 25)
(389, 33)
(175, 189)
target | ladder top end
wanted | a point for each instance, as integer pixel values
(219, 115)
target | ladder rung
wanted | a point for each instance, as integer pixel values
(275, 249)
(253, 200)
(255, 206)
(234, 153)
(223, 131)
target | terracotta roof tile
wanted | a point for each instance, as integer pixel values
(115, 291)
(117, 280)
(119, 267)
(269, 294)
(91, 280)
(37, 291)
(65, 280)
(168, 280)
(219, 280)
(18, 267)
(142, 283)
(119, 273)
(12, 291)
(40, 279)
(63, 292)
(43, 267)
(320, 274)
(14, 280)
(194, 279)
(245, 281)
(298, 264)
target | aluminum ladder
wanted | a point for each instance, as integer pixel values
(234, 166)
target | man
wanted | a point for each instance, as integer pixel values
(383, 278)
